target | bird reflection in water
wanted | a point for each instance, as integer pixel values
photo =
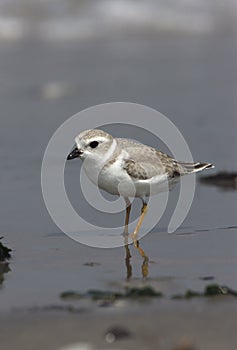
(145, 262)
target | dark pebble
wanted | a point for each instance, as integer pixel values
(117, 333)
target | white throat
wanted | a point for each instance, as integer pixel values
(93, 167)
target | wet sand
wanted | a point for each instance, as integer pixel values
(45, 320)
(209, 325)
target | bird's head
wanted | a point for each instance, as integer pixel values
(92, 145)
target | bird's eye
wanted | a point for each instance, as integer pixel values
(94, 144)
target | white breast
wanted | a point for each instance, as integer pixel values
(114, 178)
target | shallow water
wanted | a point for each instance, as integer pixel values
(192, 80)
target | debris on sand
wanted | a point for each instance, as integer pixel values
(91, 264)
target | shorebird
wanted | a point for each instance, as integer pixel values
(128, 168)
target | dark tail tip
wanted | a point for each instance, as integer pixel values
(202, 166)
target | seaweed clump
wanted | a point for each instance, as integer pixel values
(210, 290)
(4, 256)
(130, 293)
(4, 252)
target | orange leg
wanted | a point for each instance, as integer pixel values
(140, 221)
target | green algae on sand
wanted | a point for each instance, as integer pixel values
(131, 293)
(210, 290)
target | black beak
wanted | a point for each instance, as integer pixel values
(74, 154)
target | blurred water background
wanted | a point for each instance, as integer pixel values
(59, 57)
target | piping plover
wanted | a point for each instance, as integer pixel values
(126, 167)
